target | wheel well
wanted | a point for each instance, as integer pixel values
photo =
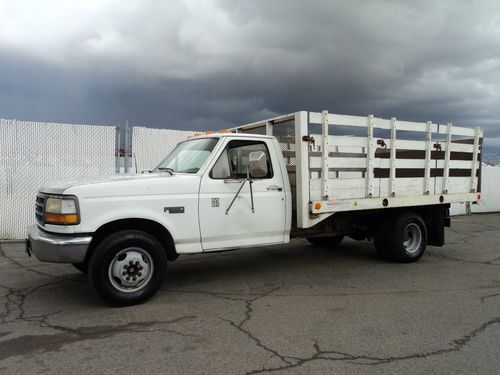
(149, 226)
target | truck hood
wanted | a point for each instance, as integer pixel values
(59, 187)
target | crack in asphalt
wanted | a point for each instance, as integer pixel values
(240, 326)
(223, 295)
(331, 355)
(35, 344)
(242, 296)
(15, 299)
(34, 270)
(491, 262)
(465, 236)
(293, 362)
(489, 296)
(13, 310)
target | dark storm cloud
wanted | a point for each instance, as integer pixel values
(198, 64)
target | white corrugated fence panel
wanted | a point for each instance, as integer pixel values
(151, 146)
(33, 153)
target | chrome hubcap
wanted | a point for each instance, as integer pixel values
(412, 238)
(131, 269)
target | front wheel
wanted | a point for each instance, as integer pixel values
(127, 267)
(406, 237)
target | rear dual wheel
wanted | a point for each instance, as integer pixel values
(402, 237)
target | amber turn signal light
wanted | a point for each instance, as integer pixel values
(51, 218)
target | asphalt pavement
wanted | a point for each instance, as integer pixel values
(292, 309)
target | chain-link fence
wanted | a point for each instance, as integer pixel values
(151, 146)
(33, 153)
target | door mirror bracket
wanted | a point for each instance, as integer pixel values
(257, 167)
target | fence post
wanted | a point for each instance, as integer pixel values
(126, 148)
(133, 160)
(117, 148)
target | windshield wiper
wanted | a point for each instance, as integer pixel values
(166, 169)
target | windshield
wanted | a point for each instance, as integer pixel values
(189, 156)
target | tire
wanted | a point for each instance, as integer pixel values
(330, 241)
(406, 237)
(127, 267)
(82, 267)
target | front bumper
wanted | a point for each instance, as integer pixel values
(57, 248)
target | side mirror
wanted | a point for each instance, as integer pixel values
(257, 164)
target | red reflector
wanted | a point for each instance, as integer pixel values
(478, 196)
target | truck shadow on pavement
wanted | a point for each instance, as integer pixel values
(63, 285)
(254, 265)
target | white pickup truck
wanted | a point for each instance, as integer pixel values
(315, 175)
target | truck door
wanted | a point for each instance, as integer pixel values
(240, 226)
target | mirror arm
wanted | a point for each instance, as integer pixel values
(251, 190)
(251, 194)
(238, 192)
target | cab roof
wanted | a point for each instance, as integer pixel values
(228, 134)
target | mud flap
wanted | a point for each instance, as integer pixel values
(436, 221)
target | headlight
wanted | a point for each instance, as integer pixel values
(61, 210)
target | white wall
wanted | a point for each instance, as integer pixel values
(490, 193)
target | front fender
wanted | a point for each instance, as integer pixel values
(182, 224)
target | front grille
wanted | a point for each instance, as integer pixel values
(39, 208)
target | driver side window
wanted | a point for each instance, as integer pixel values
(233, 162)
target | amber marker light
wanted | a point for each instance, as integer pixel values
(317, 206)
(64, 219)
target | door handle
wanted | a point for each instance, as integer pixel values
(274, 187)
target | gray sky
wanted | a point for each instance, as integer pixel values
(210, 64)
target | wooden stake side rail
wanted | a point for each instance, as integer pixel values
(343, 173)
